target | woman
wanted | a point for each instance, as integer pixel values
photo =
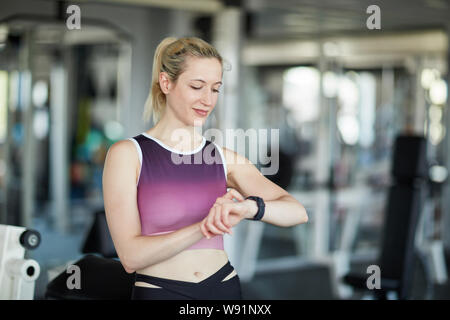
(167, 219)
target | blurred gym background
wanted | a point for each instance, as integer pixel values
(362, 116)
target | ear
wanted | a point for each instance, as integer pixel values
(164, 82)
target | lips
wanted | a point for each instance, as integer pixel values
(201, 112)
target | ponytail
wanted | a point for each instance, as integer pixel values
(156, 100)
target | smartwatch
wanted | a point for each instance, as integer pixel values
(261, 207)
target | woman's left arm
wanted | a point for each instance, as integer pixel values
(282, 209)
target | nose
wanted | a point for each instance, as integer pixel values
(207, 97)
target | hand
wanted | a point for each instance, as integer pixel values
(225, 214)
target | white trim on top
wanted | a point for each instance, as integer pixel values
(162, 144)
(223, 159)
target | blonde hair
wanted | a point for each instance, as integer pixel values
(170, 56)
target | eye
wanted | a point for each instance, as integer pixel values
(216, 90)
(195, 88)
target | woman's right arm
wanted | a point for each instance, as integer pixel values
(135, 251)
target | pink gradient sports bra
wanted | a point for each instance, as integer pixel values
(176, 189)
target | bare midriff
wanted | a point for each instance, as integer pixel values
(189, 265)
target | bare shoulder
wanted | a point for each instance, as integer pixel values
(124, 144)
(122, 156)
(238, 166)
(122, 149)
(233, 158)
(245, 177)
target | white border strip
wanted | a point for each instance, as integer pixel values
(162, 144)
(223, 159)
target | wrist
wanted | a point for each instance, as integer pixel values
(260, 205)
(252, 208)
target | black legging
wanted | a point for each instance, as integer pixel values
(211, 288)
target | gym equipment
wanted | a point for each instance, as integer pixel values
(100, 278)
(17, 274)
(405, 201)
(98, 239)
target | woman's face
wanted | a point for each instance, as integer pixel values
(197, 88)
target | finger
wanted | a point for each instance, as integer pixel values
(225, 218)
(224, 212)
(203, 229)
(219, 201)
(210, 222)
(225, 215)
(233, 193)
(228, 195)
(218, 220)
(212, 229)
(237, 195)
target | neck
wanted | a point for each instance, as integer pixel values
(174, 132)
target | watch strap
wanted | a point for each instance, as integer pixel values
(261, 207)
